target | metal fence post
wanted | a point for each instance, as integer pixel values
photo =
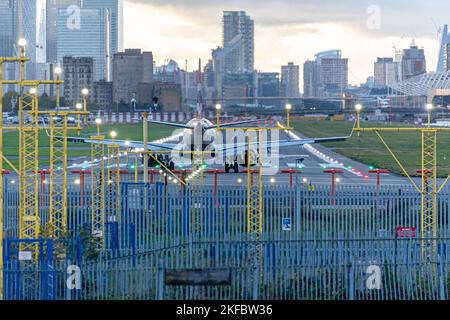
(351, 289)
(160, 275)
(255, 279)
(441, 278)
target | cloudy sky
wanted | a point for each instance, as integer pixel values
(288, 30)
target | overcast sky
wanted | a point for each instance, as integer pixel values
(288, 30)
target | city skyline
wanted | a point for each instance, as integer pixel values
(177, 26)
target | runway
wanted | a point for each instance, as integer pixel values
(316, 159)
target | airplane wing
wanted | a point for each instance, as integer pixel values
(171, 124)
(125, 144)
(240, 147)
(226, 125)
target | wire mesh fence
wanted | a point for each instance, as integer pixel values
(365, 246)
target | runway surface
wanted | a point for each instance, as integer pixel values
(316, 159)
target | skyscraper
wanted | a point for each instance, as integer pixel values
(238, 42)
(99, 31)
(385, 72)
(290, 82)
(310, 79)
(443, 54)
(115, 9)
(89, 40)
(18, 20)
(411, 62)
(52, 7)
(327, 75)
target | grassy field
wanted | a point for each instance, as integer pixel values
(124, 132)
(369, 149)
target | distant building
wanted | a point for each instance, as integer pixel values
(239, 85)
(103, 95)
(130, 68)
(310, 79)
(290, 80)
(169, 95)
(443, 62)
(52, 7)
(385, 72)
(189, 86)
(90, 40)
(327, 75)
(209, 75)
(169, 73)
(334, 74)
(17, 20)
(269, 86)
(111, 20)
(411, 62)
(78, 74)
(238, 42)
(446, 59)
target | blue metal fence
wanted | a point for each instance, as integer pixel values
(322, 252)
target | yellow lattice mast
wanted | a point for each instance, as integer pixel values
(429, 189)
(98, 186)
(113, 164)
(255, 196)
(58, 177)
(29, 166)
(2, 62)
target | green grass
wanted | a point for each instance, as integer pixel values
(124, 132)
(369, 149)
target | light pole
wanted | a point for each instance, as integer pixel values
(22, 44)
(85, 93)
(58, 72)
(79, 107)
(218, 109)
(113, 135)
(288, 114)
(358, 109)
(98, 123)
(429, 110)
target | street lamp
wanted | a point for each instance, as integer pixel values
(358, 109)
(218, 109)
(79, 106)
(113, 134)
(58, 72)
(32, 91)
(22, 44)
(98, 123)
(288, 114)
(85, 93)
(429, 108)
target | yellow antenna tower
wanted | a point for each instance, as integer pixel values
(429, 189)
(113, 163)
(58, 177)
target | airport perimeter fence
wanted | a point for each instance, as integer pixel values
(311, 249)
